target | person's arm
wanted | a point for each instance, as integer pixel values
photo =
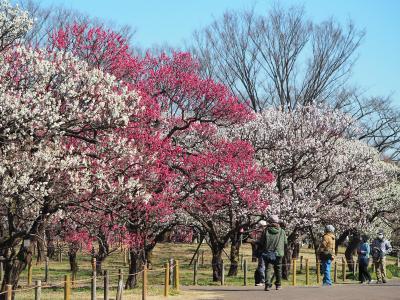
(324, 243)
(262, 239)
(388, 247)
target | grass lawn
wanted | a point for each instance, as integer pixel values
(181, 252)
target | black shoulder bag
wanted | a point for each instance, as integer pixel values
(270, 255)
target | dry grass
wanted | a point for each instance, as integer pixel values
(181, 252)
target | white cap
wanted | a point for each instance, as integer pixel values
(274, 219)
(329, 228)
(262, 223)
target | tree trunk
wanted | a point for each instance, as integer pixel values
(13, 267)
(340, 240)
(41, 253)
(101, 256)
(234, 255)
(51, 248)
(216, 264)
(314, 241)
(73, 262)
(135, 266)
(289, 254)
(351, 248)
(148, 254)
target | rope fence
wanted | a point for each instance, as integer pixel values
(171, 277)
(72, 286)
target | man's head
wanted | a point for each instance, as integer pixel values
(329, 228)
(274, 219)
(262, 223)
(364, 238)
(380, 234)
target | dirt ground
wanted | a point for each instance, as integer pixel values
(389, 291)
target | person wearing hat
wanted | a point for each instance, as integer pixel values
(363, 252)
(380, 247)
(273, 241)
(259, 274)
(327, 253)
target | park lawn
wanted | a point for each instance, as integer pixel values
(164, 251)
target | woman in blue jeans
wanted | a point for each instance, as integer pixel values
(326, 253)
(363, 260)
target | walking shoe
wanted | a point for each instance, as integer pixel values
(259, 284)
(278, 287)
(266, 288)
(383, 280)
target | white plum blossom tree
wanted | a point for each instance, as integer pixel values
(322, 173)
(50, 102)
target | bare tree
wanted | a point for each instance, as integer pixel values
(281, 59)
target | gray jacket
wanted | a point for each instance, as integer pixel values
(383, 245)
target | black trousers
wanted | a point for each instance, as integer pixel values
(363, 274)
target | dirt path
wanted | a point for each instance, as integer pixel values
(389, 291)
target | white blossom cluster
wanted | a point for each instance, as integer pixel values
(53, 107)
(14, 23)
(323, 176)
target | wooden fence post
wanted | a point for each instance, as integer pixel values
(93, 286)
(202, 258)
(343, 269)
(171, 270)
(30, 273)
(318, 272)
(166, 280)
(335, 272)
(195, 273)
(106, 285)
(67, 288)
(245, 272)
(294, 270)
(60, 254)
(222, 273)
(307, 272)
(46, 269)
(144, 287)
(120, 285)
(241, 261)
(176, 275)
(38, 289)
(301, 264)
(9, 292)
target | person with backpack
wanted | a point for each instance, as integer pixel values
(363, 252)
(327, 253)
(259, 273)
(380, 247)
(272, 242)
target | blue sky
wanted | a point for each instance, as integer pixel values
(377, 70)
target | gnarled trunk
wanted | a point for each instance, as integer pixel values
(351, 249)
(135, 266)
(101, 254)
(41, 252)
(216, 263)
(13, 267)
(73, 262)
(51, 247)
(234, 254)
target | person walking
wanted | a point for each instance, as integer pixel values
(380, 247)
(259, 274)
(327, 253)
(273, 241)
(363, 260)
